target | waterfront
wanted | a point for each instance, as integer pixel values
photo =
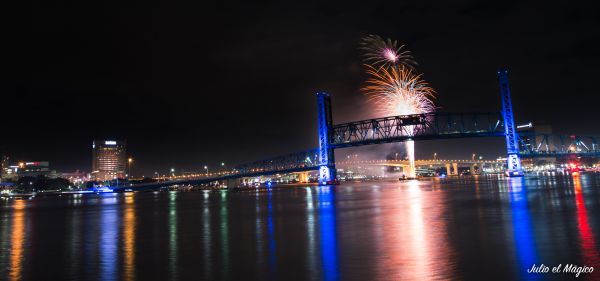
(456, 228)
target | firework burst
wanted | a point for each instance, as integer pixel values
(398, 91)
(380, 52)
(394, 86)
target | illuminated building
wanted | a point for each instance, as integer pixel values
(28, 169)
(109, 160)
(3, 167)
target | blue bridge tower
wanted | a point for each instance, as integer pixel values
(326, 156)
(510, 130)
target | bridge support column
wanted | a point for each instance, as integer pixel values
(455, 169)
(448, 171)
(326, 157)
(303, 177)
(232, 183)
(410, 152)
(510, 130)
(473, 169)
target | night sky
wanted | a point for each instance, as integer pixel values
(190, 84)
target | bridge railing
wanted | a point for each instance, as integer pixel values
(548, 145)
(416, 127)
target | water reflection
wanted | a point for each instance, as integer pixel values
(524, 240)
(129, 232)
(17, 240)
(224, 236)
(588, 244)
(419, 247)
(392, 231)
(328, 232)
(206, 236)
(271, 235)
(258, 231)
(75, 258)
(173, 235)
(312, 251)
(414, 240)
(109, 238)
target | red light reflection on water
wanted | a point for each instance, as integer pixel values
(588, 244)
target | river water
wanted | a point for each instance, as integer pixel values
(477, 228)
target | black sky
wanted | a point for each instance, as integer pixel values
(188, 84)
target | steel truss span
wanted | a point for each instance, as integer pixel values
(550, 145)
(417, 127)
(385, 130)
(299, 161)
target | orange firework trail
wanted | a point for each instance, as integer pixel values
(398, 91)
(393, 85)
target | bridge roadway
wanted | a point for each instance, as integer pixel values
(233, 175)
(198, 180)
(422, 162)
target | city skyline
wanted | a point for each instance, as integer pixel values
(163, 92)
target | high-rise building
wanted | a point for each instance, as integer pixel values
(3, 167)
(109, 160)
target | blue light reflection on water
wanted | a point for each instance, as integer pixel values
(109, 235)
(271, 235)
(522, 230)
(328, 233)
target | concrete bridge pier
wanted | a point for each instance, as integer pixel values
(232, 183)
(448, 171)
(455, 168)
(473, 169)
(303, 177)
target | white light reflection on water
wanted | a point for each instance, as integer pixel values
(413, 241)
(312, 251)
(206, 235)
(173, 234)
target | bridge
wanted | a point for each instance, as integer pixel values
(429, 126)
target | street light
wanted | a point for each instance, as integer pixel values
(435, 156)
(129, 161)
(172, 172)
(206, 168)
